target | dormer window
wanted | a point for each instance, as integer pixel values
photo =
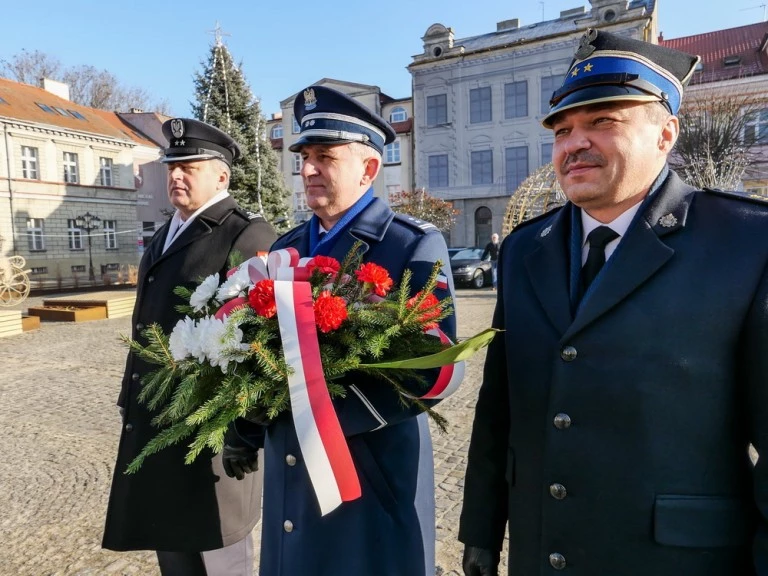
(732, 60)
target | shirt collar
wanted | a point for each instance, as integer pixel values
(618, 225)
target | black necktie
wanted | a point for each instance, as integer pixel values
(598, 239)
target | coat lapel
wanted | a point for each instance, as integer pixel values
(640, 254)
(548, 269)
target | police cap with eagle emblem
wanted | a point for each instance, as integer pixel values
(608, 67)
(327, 116)
(190, 140)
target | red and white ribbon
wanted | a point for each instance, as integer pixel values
(322, 442)
(450, 376)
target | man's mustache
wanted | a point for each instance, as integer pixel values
(582, 157)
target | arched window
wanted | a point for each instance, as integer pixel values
(398, 114)
(277, 131)
(483, 226)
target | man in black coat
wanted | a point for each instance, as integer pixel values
(613, 425)
(197, 517)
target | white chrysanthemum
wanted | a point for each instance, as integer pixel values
(223, 343)
(203, 294)
(236, 285)
(182, 339)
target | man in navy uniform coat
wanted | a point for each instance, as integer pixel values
(198, 517)
(612, 428)
(390, 530)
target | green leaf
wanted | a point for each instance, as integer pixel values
(456, 353)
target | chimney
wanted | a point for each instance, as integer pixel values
(573, 12)
(58, 88)
(512, 24)
(277, 115)
(136, 111)
(661, 37)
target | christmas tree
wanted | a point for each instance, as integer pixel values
(224, 99)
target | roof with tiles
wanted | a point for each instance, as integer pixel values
(34, 105)
(745, 47)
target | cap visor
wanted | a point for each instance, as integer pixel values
(189, 158)
(597, 95)
(305, 140)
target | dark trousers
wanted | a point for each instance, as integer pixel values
(181, 563)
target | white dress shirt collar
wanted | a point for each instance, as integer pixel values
(618, 225)
(178, 225)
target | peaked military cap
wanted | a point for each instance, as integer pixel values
(190, 140)
(608, 67)
(327, 116)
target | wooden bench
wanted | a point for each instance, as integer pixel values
(117, 303)
(10, 323)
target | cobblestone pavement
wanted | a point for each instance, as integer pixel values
(59, 431)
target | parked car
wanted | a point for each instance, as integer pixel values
(468, 269)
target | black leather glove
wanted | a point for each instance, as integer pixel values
(258, 415)
(480, 562)
(239, 460)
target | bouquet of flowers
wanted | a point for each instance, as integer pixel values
(282, 332)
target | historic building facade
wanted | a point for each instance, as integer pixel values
(61, 165)
(478, 101)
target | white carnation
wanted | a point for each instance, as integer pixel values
(222, 342)
(182, 339)
(236, 285)
(204, 292)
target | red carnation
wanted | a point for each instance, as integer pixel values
(330, 311)
(375, 278)
(262, 298)
(429, 302)
(324, 264)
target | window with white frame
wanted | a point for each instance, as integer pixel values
(438, 171)
(393, 192)
(36, 234)
(300, 201)
(756, 127)
(480, 105)
(398, 114)
(105, 171)
(392, 153)
(437, 110)
(297, 163)
(516, 99)
(548, 85)
(110, 234)
(75, 236)
(296, 127)
(29, 163)
(546, 153)
(277, 131)
(482, 167)
(516, 160)
(70, 168)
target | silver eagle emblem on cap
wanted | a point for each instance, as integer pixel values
(668, 220)
(177, 127)
(310, 100)
(585, 44)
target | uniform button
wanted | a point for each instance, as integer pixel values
(150, 279)
(557, 561)
(288, 526)
(128, 427)
(562, 421)
(135, 376)
(558, 491)
(290, 459)
(568, 353)
(139, 327)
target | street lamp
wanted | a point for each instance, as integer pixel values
(89, 222)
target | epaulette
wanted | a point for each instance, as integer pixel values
(535, 219)
(415, 223)
(739, 195)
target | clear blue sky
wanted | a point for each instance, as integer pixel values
(286, 45)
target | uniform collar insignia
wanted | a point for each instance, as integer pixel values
(546, 231)
(668, 221)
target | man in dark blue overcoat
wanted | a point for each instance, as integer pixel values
(613, 425)
(390, 530)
